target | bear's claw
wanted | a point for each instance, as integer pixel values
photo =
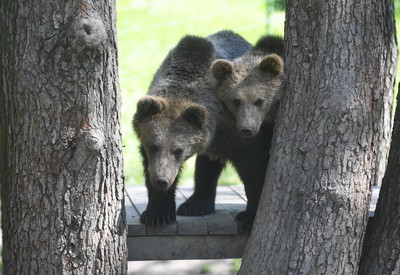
(158, 218)
(196, 207)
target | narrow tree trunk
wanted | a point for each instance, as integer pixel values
(4, 183)
(64, 142)
(340, 61)
(381, 251)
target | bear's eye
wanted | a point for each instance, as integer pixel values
(177, 153)
(153, 148)
(236, 102)
(259, 102)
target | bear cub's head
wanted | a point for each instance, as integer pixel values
(251, 89)
(170, 132)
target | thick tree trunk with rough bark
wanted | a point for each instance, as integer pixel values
(381, 251)
(66, 200)
(340, 61)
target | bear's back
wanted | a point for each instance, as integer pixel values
(228, 45)
(268, 44)
(185, 72)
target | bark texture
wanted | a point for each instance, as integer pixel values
(340, 61)
(381, 251)
(4, 183)
(65, 154)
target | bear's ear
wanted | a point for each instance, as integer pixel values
(221, 68)
(195, 114)
(149, 105)
(272, 63)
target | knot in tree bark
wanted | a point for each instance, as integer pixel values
(87, 31)
(93, 139)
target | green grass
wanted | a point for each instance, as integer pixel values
(236, 266)
(147, 30)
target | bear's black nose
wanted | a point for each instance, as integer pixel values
(161, 183)
(246, 132)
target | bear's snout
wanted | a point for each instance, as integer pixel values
(246, 132)
(161, 183)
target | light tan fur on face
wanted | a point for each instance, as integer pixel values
(165, 127)
(251, 88)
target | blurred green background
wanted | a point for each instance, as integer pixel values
(148, 29)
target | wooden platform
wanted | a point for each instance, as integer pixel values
(214, 236)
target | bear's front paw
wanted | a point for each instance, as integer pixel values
(245, 221)
(158, 216)
(196, 207)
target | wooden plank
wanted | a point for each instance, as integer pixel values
(184, 226)
(198, 237)
(189, 225)
(218, 223)
(239, 189)
(230, 200)
(132, 218)
(138, 194)
(232, 203)
(186, 247)
(229, 203)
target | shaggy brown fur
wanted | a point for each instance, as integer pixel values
(250, 86)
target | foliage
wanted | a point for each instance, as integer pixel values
(276, 5)
(206, 269)
(236, 266)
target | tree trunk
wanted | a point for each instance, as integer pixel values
(64, 141)
(4, 183)
(381, 251)
(340, 61)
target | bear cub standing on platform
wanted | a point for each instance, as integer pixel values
(182, 116)
(250, 86)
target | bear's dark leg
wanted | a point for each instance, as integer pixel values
(161, 206)
(251, 170)
(202, 201)
(251, 165)
(246, 218)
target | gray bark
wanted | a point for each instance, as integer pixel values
(4, 183)
(340, 61)
(64, 141)
(381, 251)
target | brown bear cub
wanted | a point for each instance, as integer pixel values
(250, 86)
(182, 116)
